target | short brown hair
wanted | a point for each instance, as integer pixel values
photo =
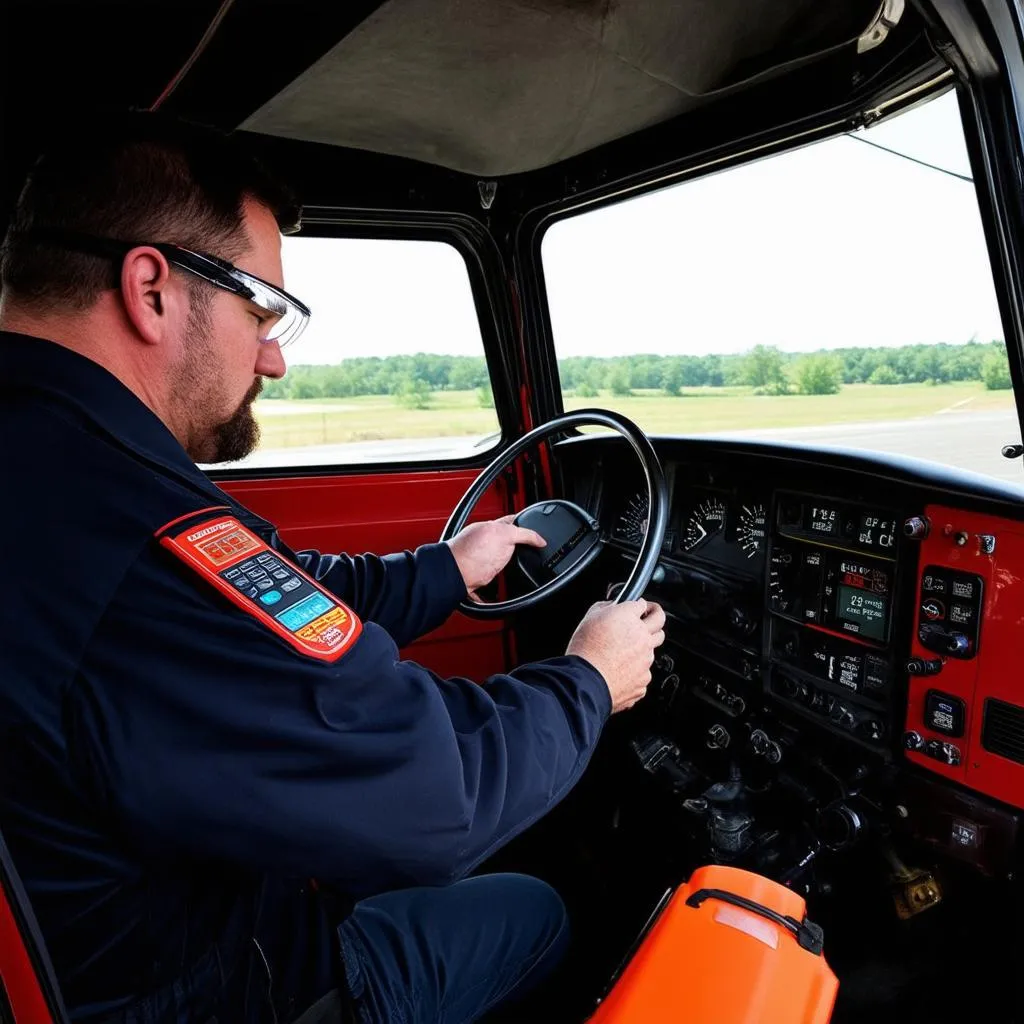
(134, 176)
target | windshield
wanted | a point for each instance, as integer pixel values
(838, 294)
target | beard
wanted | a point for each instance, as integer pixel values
(198, 391)
(238, 435)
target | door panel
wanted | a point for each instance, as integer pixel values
(381, 513)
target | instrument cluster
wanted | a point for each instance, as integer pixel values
(723, 527)
(792, 593)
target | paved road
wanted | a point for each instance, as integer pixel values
(966, 440)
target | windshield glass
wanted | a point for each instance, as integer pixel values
(837, 294)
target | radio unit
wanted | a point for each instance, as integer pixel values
(845, 665)
(846, 593)
(837, 524)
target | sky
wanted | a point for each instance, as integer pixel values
(834, 244)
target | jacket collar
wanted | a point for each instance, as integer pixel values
(96, 397)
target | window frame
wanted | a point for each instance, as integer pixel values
(543, 366)
(487, 277)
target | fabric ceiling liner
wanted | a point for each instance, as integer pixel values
(496, 87)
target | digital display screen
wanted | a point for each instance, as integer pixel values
(864, 609)
(823, 520)
(876, 532)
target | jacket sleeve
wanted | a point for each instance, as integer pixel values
(409, 593)
(204, 732)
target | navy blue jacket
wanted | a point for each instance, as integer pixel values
(173, 773)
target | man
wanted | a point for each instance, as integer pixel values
(194, 786)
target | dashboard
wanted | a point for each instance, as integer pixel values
(867, 609)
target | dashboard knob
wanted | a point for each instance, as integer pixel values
(916, 528)
(957, 643)
(913, 740)
(742, 621)
(841, 826)
(794, 689)
(872, 729)
(821, 702)
(718, 737)
(947, 753)
(924, 666)
(842, 715)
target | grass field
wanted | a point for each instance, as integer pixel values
(286, 424)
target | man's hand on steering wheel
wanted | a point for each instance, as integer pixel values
(482, 550)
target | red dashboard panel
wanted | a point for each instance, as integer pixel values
(382, 513)
(984, 684)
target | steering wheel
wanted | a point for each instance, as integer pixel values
(573, 536)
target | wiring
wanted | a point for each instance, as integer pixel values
(912, 159)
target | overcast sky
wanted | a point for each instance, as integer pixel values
(833, 244)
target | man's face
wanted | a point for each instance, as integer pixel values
(223, 363)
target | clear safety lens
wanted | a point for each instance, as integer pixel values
(291, 315)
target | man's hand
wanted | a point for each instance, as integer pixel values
(619, 641)
(482, 550)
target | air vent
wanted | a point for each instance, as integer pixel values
(1002, 730)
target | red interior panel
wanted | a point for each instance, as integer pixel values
(27, 1002)
(957, 542)
(382, 513)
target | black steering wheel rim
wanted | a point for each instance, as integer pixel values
(657, 509)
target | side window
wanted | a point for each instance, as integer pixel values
(391, 367)
(836, 294)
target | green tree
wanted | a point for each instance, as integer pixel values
(819, 375)
(672, 377)
(884, 374)
(485, 396)
(414, 394)
(995, 372)
(618, 382)
(585, 390)
(466, 374)
(764, 368)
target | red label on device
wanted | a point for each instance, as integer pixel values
(261, 582)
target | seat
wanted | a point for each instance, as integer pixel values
(29, 992)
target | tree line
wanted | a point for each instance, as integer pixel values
(765, 368)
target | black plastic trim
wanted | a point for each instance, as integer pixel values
(946, 483)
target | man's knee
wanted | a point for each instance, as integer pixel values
(452, 953)
(537, 924)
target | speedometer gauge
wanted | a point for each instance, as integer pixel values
(632, 524)
(750, 530)
(705, 521)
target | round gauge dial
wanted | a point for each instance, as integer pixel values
(707, 519)
(632, 524)
(750, 530)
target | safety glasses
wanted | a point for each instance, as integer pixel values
(286, 315)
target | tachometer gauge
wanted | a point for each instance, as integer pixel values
(750, 530)
(705, 521)
(632, 524)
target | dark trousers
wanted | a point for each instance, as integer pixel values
(451, 954)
